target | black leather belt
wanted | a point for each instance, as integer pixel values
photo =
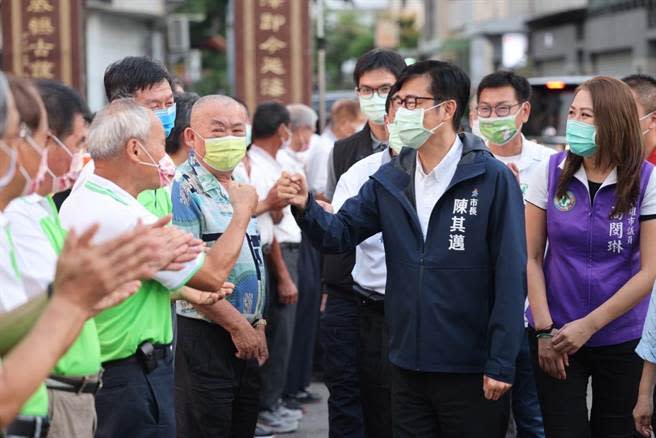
(78, 385)
(27, 426)
(370, 298)
(147, 355)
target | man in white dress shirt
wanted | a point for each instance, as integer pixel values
(503, 107)
(281, 240)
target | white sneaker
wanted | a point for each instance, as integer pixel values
(288, 414)
(275, 423)
(262, 432)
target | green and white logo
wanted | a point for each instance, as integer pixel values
(566, 203)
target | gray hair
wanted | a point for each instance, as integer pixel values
(4, 96)
(115, 125)
(218, 100)
(302, 116)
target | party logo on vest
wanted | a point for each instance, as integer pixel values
(566, 203)
(524, 188)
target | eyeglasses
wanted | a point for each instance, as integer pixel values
(368, 92)
(501, 110)
(410, 102)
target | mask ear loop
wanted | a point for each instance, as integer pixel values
(432, 131)
(61, 144)
(648, 130)
(154, 163)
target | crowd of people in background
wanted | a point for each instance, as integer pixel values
(173, 264)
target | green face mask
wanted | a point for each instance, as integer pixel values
(410, 125)
(393, 140)
(581, 138)
(224, 153)
(373, 108)
(499, 130)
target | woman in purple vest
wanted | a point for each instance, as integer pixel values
(595, 206)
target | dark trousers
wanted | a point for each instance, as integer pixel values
(299, 373)
(281, 319)
(445, 405)
(374, 371)
(217, 395)
(525, 403)
(133, 403)
(615, 371)
(339, 334)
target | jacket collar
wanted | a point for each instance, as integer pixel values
(471, 163)
(398, 178)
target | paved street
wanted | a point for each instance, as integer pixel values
(315, 422)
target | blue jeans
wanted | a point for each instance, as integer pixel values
(339, 334)
(525, 403)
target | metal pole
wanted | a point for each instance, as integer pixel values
(321, 64)
(230, 34)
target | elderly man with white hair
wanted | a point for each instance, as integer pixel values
(126, 142)
(294, 155)
(294, 158)
(220, 347)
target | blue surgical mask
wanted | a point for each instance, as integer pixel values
(581, 138)
(167, 117)
(249, 134)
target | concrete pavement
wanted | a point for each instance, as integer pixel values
(315, 421)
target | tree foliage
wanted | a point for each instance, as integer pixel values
(215, 64)
(347, 37)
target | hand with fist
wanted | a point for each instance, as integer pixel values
(243, 198)
(294, 189)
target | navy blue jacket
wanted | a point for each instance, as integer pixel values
(448, 310)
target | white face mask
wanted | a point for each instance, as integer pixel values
(373, 108)
(287, 143)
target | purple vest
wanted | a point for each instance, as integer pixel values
(591, 256)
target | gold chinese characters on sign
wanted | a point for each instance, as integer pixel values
(273, 51)
(271, 66)
(41, 39)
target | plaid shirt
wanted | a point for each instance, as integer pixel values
(202, 207)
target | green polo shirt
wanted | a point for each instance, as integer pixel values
(145, 316)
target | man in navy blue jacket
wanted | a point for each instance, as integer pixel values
(452, 219)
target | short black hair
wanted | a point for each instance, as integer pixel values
(183, 103)
(506, 78)
(62, 104)
(267, 119)
(645, 89)
(133, 73)
(448, 82)
(377, 59)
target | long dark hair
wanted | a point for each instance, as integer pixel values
(619, 139)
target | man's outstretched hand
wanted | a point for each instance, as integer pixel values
(294, 189)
